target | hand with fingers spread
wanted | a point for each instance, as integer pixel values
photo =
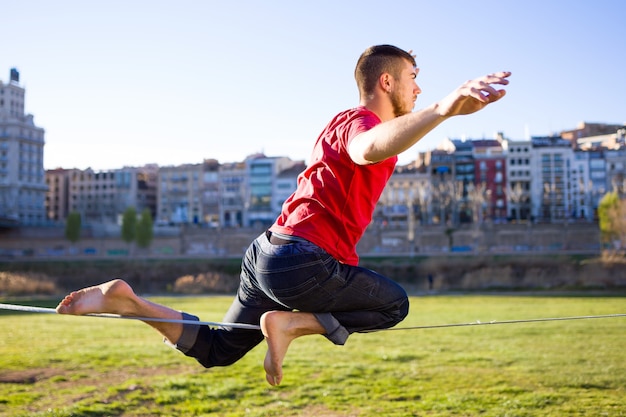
(473, 95)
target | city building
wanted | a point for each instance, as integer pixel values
(489, 180)
(406, 199)
(616, 170)
(263, 205)
(551, 184)
(232, 194)
(179, 194)
(581, 202)
(557, 178)
(210, 189)
(100, 197)
(285, 184)
(444, 189)
(597, 184)
(586, 130)
(519, 178)
(543, 179)
(146, 178)
(57, 200)
(468, 181)
(22, 180)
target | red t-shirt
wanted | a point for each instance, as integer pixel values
(335, 198)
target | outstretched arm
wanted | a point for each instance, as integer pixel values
(397, 135)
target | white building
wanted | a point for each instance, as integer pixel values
(22, 179)
(551, 186)
(519, 178)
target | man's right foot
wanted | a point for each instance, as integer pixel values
(274, 325)
(280, 328)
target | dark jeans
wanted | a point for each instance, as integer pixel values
(297, 276)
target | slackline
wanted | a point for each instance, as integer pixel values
(117, 316)
(484, 323)
(256, 327)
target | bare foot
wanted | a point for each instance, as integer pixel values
(279, 329)
(114, 297)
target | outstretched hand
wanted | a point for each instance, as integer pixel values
(474, 95)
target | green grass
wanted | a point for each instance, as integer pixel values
(73, 366)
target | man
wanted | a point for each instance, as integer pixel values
(302, 277)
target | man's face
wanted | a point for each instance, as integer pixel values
(405, 90)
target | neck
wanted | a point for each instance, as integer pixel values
(379, 105)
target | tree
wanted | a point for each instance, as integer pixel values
(72, 227)
(612, 222)
(144, 229)
(443, 195)
(516, 196)
(129, 225)
(478, 196)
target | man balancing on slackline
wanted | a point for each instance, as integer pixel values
(301, 276)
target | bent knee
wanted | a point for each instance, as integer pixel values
(401, 311)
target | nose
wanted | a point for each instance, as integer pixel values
(417, 89)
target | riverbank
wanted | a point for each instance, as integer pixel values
(549, 272)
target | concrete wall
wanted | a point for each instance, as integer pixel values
(207, 242)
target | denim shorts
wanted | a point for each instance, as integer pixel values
(297, 275)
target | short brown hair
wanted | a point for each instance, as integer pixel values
(375, 61)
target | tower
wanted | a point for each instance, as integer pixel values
(22, 178)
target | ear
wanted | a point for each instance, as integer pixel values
(385, 81)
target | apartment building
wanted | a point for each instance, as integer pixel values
(616, 170)
(179, 197)
(518, 174)
(285, 184)
(585, 130)
(581, 202)
(263, 203)
(100, 197)
(467, 176)
(541, 179)
(550, 179)
(444, 188)
(232, 194)
(146, 178)
(57, 201)
(210, 189)
(407, 198)
(597, 184)
(490, 175)
(551, 162)
(22, 180)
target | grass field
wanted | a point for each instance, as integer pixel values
(76, 366)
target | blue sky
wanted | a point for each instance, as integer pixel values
(125, 83)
